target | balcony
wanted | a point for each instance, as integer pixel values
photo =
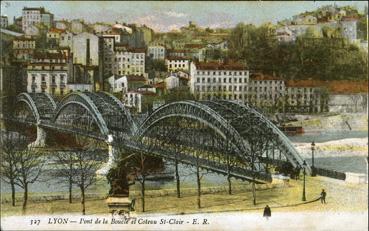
(53, 84)
(33, 85)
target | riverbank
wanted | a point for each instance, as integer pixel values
(332, 122)
(336, 148)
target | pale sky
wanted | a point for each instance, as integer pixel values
(168, 15)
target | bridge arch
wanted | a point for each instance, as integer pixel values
(202, 113)
(41, 105)
(250, 133)
(80, 99)
(108, 113)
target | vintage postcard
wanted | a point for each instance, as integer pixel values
(184, 115)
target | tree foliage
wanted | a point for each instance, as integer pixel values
(327, 58)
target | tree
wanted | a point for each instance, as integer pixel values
(65, 169)
(142, 166)
(84, 170)
(11, 144)
(29, 166)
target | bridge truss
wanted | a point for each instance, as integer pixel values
(221, 136)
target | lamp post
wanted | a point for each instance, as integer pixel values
(313, 173)
(303, 188)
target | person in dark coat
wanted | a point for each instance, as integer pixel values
(323, 194)
(267, 212)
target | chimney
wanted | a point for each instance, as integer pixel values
(88, 52)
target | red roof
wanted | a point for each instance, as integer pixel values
(220, 66)
(48, 55)
(260, 76)
(56, 30)
(160, 85)
(138, 78)
(178, 58)
(136, 50)
(194, 46)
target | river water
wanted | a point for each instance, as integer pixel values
(188, 176)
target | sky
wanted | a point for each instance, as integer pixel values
(169, 15)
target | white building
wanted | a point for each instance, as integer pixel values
(100, 27)
(133, 99)
(66, 39)
(266, 91)
(54, 34)
(76, 26)
(177, 64)
(302, 97)
(85, 46)
(61, 25)
(118, 84)
(219, 81)
(48, 73)
(129, 61)
(171, 82)
(4, 21)
(32, 16)
(284, 34)
(349, 28)
(156, 52)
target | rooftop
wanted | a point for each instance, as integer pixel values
(137, 78)
(48, 55)
(220, 66)
(261, 76)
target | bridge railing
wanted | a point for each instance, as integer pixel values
(330, 173)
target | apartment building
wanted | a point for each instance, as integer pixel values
(219, 81)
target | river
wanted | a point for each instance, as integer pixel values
(188, 177)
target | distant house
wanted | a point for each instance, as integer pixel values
(172, 82)
(77, 26)
(304, 20)
(62, 25)
(222, 45)
(215, 80)
(54, 34)
(85, 48)
(33, 16)
(48, 73)
(118, 84)
(284, 34)
(349, 28)
(177, 64)
(4, 21)
(135, 81)
(23, 48)
(156, 52)
(66, 39)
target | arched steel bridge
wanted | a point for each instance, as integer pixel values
(221, 136)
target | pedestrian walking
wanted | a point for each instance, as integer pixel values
(323, 195)
(267, 212)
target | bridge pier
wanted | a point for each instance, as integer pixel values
(111, 151)
(40, 139)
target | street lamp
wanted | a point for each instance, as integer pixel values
(303, 189)
(313, 173)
